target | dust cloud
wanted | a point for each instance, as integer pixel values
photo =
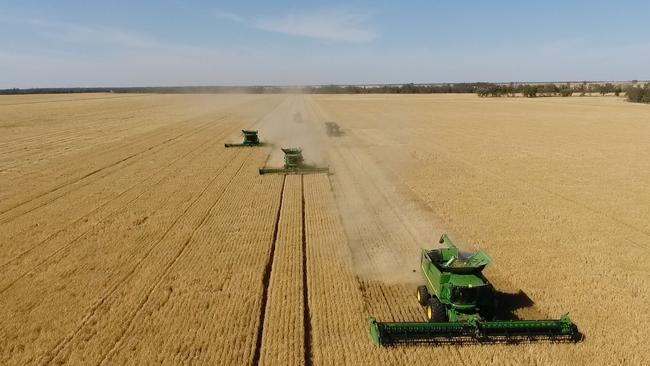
(386, 225)
(291, 125)
(386, 230)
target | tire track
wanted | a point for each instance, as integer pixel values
(380, 219)
(52, 353)
(135, 141)
(94, 172)
(98, 126)
(161, 277)
(70, 243)
(226, 111)
(201, 147)
(308, 357)
(265, 280)
(95, 118)
(74, 181)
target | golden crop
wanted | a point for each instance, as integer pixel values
(130, 235)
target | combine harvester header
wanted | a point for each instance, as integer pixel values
(294, 163)
(460, 303)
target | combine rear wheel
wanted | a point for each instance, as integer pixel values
(423, 295)
(436, 312)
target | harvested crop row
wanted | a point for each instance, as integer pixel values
(336, 306)
(90, 197)
(33, 252)
(110, 258)
(102, 197)
(283, 329)
(206, 308)
(114, 318)
(384, 255)
(54, 175)
(74, 175)
(94, 123)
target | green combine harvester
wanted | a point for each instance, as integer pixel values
(250, 140)
(460, 305)
(333, 129)
(294, 163)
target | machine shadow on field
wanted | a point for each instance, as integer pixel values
(509, 303)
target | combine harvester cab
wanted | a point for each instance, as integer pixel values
(250, 140)
(294, 163)
(460, 303)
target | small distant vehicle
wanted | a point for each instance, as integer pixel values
(333, 129)
(250, 140)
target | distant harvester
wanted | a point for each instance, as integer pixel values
(250, 140)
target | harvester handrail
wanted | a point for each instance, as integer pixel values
(444, 239)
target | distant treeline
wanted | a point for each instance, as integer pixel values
(327, 89)
(396, 89)
(546, 90)
(638, 94)
(634, 93)
(159, 90)
(16, 91)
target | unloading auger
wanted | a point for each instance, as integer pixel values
(460, 303)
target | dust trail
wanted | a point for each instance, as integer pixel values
(293, 126)
(385, 223)
(386, 228)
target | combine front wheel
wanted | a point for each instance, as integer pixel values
(436, 312)
(423, 295)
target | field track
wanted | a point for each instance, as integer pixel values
(130, 235)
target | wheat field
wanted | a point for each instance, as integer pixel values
(130, 235)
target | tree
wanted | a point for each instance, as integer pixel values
(549, 89)
(618, 90)
(638, 94)
(566, 92)
(605, 89)
(530, 91)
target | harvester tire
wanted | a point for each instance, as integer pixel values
(436, 312)
(423, 295)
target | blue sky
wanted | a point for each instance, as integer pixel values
(174, 42)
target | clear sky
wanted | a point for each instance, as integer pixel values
(55, 43)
